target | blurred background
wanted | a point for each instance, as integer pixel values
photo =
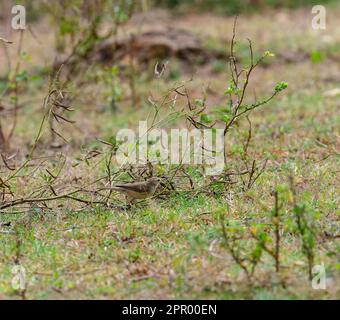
(110, 51)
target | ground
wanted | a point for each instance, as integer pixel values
(174, 247)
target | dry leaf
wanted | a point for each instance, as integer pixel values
(5, 40)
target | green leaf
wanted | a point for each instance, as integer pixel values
(205, 118)
(226, 118)
(27, 57)
(67, 27)
(281, 86)
(199, 102)
(21, 76)
(232, 89)
(114, 70)
(317, 56)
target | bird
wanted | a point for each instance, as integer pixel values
(138, 190)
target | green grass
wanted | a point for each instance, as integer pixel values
(174, 247)
(169, 249)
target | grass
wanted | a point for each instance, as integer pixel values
(167, 250)
(174, 248)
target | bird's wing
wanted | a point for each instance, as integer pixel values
(134, 186)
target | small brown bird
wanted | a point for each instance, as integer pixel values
(138, 190)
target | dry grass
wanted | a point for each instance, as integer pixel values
(174, 248)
